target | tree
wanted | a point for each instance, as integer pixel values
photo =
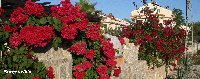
(178, 17)
(196, 31)
(92, 14)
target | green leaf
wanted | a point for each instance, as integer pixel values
(6, 34)
(56, 41)
(30, 21)
(1, 34)
(43, 21)
(15, 58)
(56, 21)
(57, 27)
(57, 24)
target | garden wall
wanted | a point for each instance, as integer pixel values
(132, 68)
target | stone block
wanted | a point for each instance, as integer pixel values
(60, 60)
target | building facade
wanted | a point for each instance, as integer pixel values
(111, 22)
(164, 13)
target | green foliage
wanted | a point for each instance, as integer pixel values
(45, 21)
(185, 67)
(86, 6)
(178, 17)
(196, 28)
(18, 60)
(56, 42)
(92, 14)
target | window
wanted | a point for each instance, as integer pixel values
(141, 11)
(158, 11)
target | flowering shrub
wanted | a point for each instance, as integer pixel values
(159, 43)
(66, 26)
(1, 11)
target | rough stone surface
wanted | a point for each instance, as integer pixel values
(60, 60)
(195, 72)
(132, 68)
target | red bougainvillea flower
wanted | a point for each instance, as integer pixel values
(102, 69)
(90, 54)
(93, 32)
(117, 72)
(148, 38)
(86, 65)
(1, 11)
(78, 48)
(50, 73)
(104, 76)
(18, 16)
(78, 67)
(69, 32)
(137, 32)
(83, 66)
(79, 75)
(32, 8)
(70, 16)
(108, 49)
(111, 62)
(15, 40)
(7, 28)
(138, 41)
(37, 35)
(36, 78)
(121, 40)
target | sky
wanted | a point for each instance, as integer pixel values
(122, 8)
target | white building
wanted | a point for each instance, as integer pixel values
(111, 22)
(163, 12)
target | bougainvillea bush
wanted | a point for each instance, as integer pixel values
(66, 26)
(159, 43)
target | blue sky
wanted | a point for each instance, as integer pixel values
(122, 8)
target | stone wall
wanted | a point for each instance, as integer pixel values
(132, 68)
(60, 60)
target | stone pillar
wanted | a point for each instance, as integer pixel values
(60, 60)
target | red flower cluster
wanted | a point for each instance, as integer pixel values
(32, 8)
(108, 49)
(105, 76)
(37, 35)
(121, 40)
(168, 32)
(90, 54)
(148, 38)
(127, 31)
(33, 36)
(78, 48)
(1, 11)
(36, 78)
(93, 32)
(50, 73)
(102, 70)
(138, 41)
(111, 62)
(69, 32)
(79, 75)
(117, 71)
(15, 40)
(70, 14)
(83, 66)
(9, 29)
(18, 16)
(72, 19)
